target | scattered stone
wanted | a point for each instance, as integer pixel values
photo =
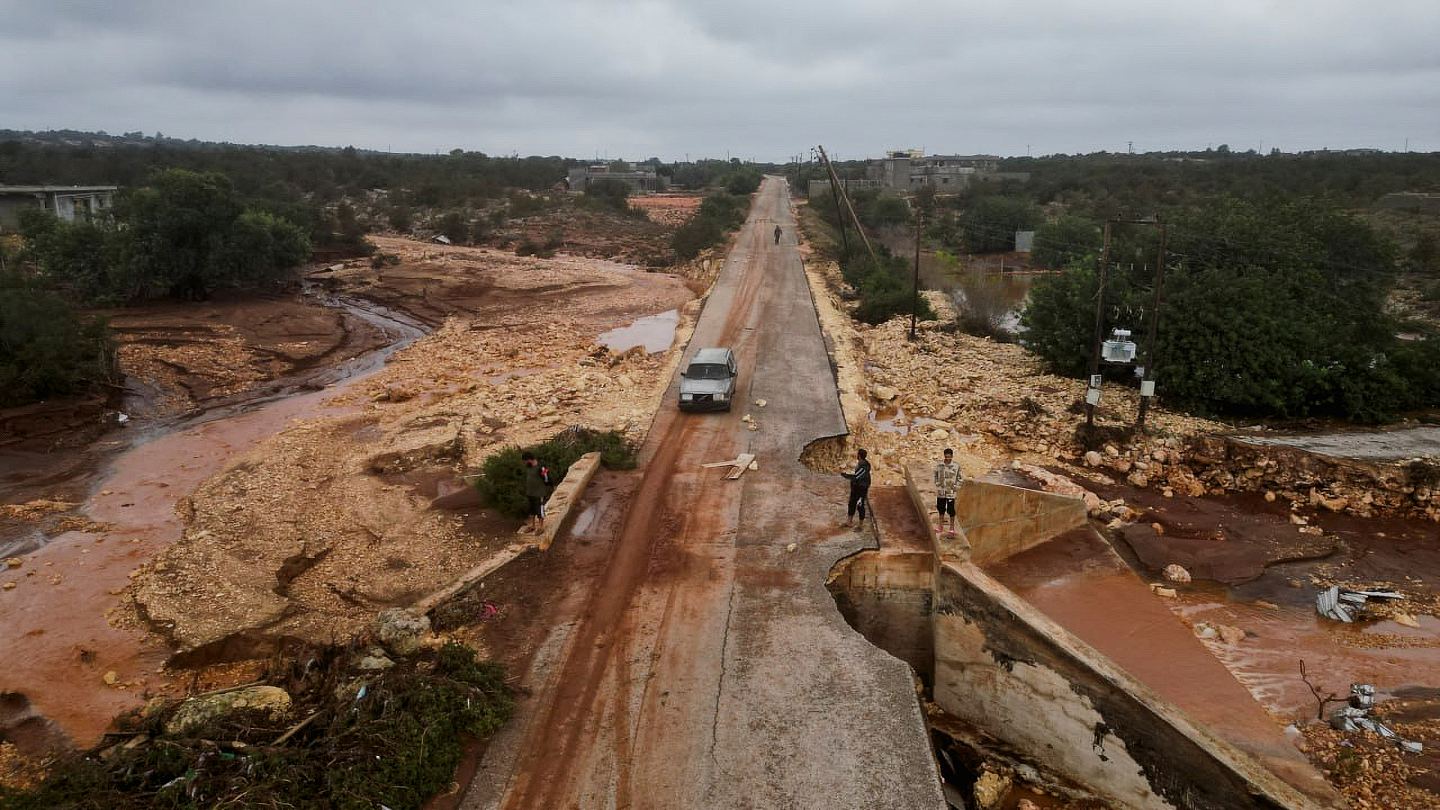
(1298, 520)
(884, 393)
(1157, 528)
(1093, 459)
(14, 562)
(374, 660)
(111, 677)
(760, 403)
(1269, 496)
(791, 547)
(272, 701)
(991, 789)
(1230, 635)
(1160, 590)
(1406, 619)
(1176, 573)
(402, 630)
(1203, 630)
(945, 414)
(1138, 479)
(1026, 804)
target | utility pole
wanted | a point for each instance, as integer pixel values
(1147, 380)
(915, 301)
(835, 186)
(1092, 392)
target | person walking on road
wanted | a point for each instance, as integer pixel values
(947, 483)
(777, 234)
(537, 489)
(859, 489)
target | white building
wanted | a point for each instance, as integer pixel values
(66, 202)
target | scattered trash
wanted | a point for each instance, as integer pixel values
(441, 238)
(741, 463)
(122, 418)
(755, 466)
(1345, 605)
(746, 418)
(1355, 716)
(1406, 619)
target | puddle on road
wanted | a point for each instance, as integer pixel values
(654, 332)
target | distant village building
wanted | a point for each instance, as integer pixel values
(904, 171)
(1024, 241)
(638, 179)
(66, 202)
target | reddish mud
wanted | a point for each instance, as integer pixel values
(57, 621)
(1276, 607)
(1077, 580)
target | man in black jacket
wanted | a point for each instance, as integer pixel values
(859, 489)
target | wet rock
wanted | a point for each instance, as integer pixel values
(401, 630)
(1203, 630)
(1112, 451)
(1121, 465)
(272, 701)
(1094, 459)
(1230, 635)
(884, 393)
(14, 562)
(1176, 573)
(1160, 590)
(1138, 479)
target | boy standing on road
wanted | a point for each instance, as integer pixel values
(859, 489)
(537, 486)
(947, 483)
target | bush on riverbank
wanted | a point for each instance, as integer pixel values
(502, 476)
(46, 349)
(393, 740)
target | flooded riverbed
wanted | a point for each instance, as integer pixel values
(72, 655)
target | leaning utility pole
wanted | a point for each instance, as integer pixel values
(835, 186)
(1147, 361)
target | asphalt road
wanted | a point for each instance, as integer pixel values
(702, 664)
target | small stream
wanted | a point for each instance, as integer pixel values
(56, 629)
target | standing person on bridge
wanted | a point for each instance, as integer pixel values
(777, 234)
(537, 489)
(947, 483)
(859, 489)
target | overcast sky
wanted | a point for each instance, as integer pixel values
(749, 78)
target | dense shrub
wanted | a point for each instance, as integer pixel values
(502, 476)
(718, 215)
(1271, 309)
(46, 350)
(743, 182)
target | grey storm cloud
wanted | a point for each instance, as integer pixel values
(752, 78)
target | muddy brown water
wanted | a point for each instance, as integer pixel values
(56, 626)
(1276, 608)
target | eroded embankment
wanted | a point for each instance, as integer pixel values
(1001, 668)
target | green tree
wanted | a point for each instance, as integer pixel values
(1065, 241)
(1275, 308)
(989, 223)
(609, 193)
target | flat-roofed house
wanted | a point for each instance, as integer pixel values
(69, 203)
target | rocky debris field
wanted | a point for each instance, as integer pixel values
(1371, 772)
(577, 228)
(335, 518)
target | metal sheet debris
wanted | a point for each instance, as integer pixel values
(1345, 605)
(1355, 716)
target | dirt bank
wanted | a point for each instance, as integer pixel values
(179, 361)
(331, 519)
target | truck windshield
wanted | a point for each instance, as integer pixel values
(707, 371)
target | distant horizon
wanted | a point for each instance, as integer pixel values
(834, 154)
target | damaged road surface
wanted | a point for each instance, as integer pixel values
(702, 663)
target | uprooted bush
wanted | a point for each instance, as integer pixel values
(502, 476)
(392, 740)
